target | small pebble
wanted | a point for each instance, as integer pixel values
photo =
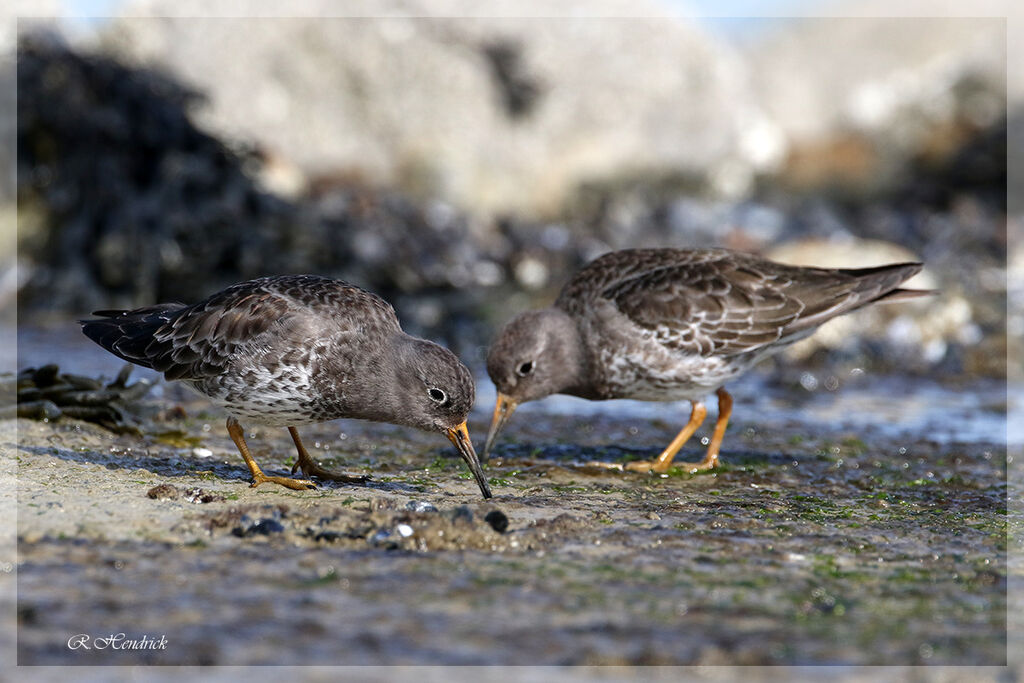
(33, 536)
(327, 536)
(462, 513)
(163, 492)
(382, 539)
(420, 506)
(198, 495)
(264, 527)
(653, 515)
(267, 526)
(498, 520)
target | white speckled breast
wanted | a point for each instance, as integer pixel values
(634, 363)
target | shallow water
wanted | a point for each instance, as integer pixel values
(887, 405)
(951, 411)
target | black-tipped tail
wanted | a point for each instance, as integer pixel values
(130, 334)
(837, 292)
(881, 283)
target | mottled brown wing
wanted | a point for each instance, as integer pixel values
(705, 308)
(725, 303)
(201, 340)
(619, 266)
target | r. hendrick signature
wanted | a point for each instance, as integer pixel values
(116, 641)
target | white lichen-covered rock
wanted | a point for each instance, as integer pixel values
(492, 114)
(815, 75)
(855, 97)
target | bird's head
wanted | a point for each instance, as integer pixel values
(440, 393)
(538, 353)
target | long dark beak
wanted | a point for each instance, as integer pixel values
(503, 410)
(460, 437)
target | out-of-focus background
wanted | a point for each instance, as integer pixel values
(463, 166)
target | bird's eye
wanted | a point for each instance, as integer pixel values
(525, 369)
(437, 395)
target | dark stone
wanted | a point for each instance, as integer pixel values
(328, 536)
(463, 514)
(498, 520)
(263, 527)
(200, 496)
(383, 539)
(163, 492)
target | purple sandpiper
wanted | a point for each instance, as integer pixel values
(673, 324)
(299, 349)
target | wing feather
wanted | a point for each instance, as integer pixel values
(201, 340)
(718, 302)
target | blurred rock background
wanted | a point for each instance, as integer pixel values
(463, 166)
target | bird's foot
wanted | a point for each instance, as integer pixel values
(647, 466)
(644, 466)
(658, 466)
(287, 482)
(311, 469)
(617, 466)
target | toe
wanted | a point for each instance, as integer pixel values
(617, 466)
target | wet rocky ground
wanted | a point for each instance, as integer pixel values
(820, 545)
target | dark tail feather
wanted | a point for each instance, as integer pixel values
(904, 294)
(864, 286)
(885, 277)
(128, 334)
(881, 283)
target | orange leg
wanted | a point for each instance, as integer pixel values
(710, 460)
(311, 469)
(664, 461)
(235, 430)
(724, 411)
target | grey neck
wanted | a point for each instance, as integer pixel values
(341, 389)
(570, 354)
